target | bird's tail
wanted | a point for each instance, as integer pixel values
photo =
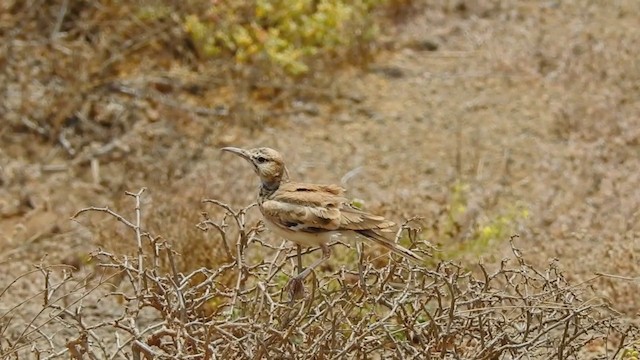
(381, 240)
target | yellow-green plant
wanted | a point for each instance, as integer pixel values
(282, 33)
(481, 232)
(631, 352)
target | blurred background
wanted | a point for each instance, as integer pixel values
(485, 118)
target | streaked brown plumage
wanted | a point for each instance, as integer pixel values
(310, 214)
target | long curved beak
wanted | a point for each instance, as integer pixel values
(240, 152)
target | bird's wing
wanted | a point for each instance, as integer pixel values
(305, 207)
(354, 219)
(389, 244)
(303, 193)
(319, 206)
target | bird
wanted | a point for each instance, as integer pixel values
(311, 214)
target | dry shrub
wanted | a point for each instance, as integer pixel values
(141, 306)
(79, 72)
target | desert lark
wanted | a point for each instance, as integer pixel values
(310, 214)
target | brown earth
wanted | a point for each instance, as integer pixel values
(531, 105)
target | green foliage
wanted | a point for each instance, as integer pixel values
(480, 233)
(283, 33)
(458, 203)
(631, 352)
(499, 227)
(153, 12)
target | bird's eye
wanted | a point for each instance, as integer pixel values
(261, 159)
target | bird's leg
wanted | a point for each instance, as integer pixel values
(326, 254)
(299, 249)
(363, 284)
(296, 288)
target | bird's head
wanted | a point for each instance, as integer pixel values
(266, 162)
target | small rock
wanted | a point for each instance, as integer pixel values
(392, 72)
(423, 45)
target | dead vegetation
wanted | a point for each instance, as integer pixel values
(240, 310)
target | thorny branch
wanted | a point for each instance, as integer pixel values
(239, 310)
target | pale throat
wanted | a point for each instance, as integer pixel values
(270, 184)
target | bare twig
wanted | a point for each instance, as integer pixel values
(237, 310)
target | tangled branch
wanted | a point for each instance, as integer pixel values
(147, 309)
